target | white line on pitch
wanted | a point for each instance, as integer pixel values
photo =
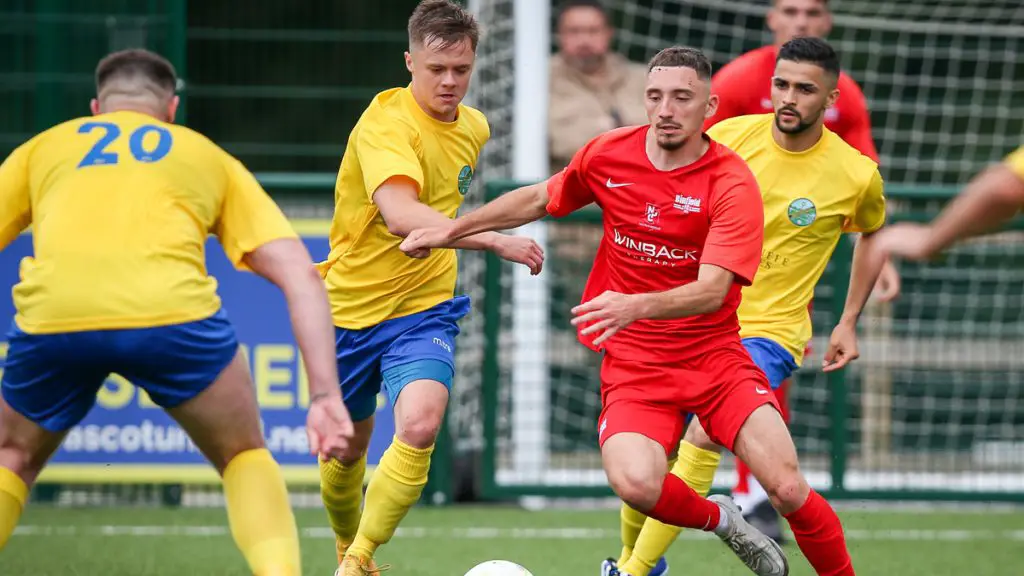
(496, 533)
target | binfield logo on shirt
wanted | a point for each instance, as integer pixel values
(651, 252)
(688, 204)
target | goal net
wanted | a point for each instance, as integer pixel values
(936, 401)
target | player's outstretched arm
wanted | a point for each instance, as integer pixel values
(400, 207)
(990, 199)
(287, 264)
(867, 265)
(612, 311)
(510, 210)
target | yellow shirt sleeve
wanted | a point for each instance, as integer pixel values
(249, 218)
(385, 150)
(15, 206)
(870, 213)
(1015, 161)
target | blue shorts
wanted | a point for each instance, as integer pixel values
(776, 362)
(53, 379)
(396, 352)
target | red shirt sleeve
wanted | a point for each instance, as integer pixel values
(855, 127)
(737, 224)
(567, 190)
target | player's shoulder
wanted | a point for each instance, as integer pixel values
(1015, 161)
(617, 142)
(388, 112)
(729, 168)
(476, 122)
(734, 131)
(855, 163)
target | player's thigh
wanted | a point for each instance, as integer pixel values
(197, 372)
(418, 369)
(766, 447)
(696, 435)
(732, 389)
(24, 445)
(49, 384)
(223, 419)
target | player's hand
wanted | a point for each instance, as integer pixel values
(421, 241)
(329, 426)
(887, 287)
(842, 347)
(906, 240)
(609, 313)
(521, 250)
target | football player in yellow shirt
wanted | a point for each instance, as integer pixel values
(815, 188)
(120, 205)
(992, 197)
(408, 164)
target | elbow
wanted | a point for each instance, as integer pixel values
(539, 201)
(715, 302)
(397, 227)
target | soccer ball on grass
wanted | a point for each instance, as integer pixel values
(498, 568)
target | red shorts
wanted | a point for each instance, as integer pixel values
(721, 387)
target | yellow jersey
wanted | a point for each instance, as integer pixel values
(369, 280)
(1015, 161)
(120, 206)
(810, 199)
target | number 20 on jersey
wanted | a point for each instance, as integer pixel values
(99, 156)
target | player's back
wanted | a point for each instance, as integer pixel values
(369, 279)
(121, 206)
(810, 199)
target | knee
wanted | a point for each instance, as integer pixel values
(420, 430)
(789, 491)
(19, 461)
(640, 491)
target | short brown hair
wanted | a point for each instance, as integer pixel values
(682, 57)
(444, 21)
(135, 63)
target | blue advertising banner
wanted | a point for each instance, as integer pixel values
(127, 438)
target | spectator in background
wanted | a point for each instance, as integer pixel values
(593, 90)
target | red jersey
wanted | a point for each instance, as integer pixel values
(733, 84)
(659, 227)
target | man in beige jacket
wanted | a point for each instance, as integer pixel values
(593, 90)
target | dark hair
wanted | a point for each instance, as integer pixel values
(824, 2)
(567, 5)
(682, 57)
(812, 51)
(133, 63)
(442, 20)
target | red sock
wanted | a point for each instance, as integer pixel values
(742, 474)
(679, 505)
(820, 537)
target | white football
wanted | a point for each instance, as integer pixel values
(498, 568)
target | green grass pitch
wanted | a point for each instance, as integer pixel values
(448, 541)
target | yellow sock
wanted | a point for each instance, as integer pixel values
(395, 486)
(261, 519)
(697, 468)
(13, 493)
(341, 489)
(630, 524)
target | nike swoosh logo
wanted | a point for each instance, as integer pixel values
(760, 391)
(611, 184)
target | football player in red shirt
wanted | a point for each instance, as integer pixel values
(683, 230)
(743, 87)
